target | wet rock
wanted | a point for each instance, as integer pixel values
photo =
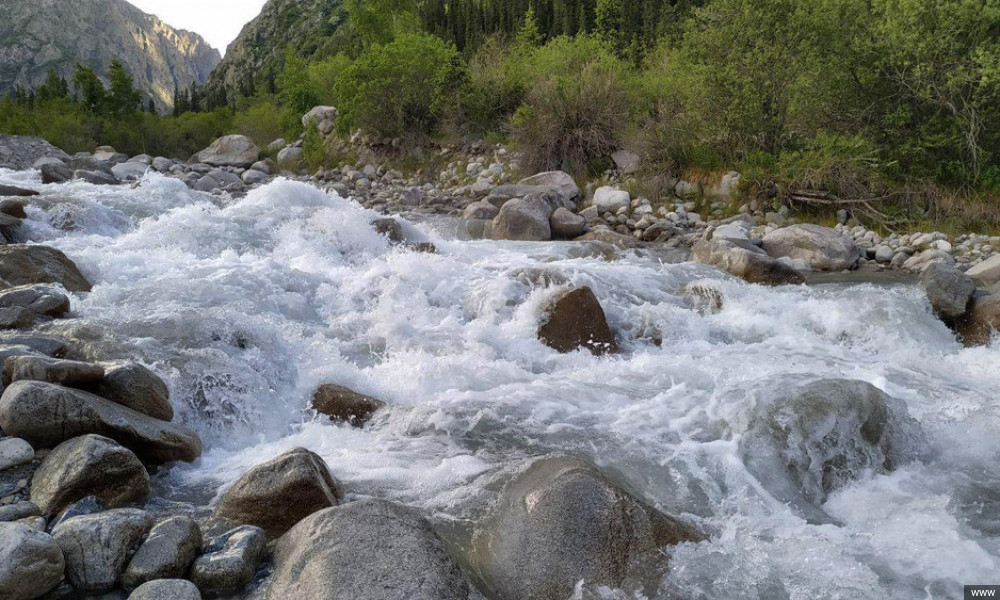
(566, 224)
(58, 172)
(390, 229)
(561, 184)
(575, 319)
(89, 465)
(523, 219)
(86, 162)
(562, 521)
(948, 290)
(98, 547)
(20, 510)
(166, 589)
(40, 299)
(344, 404)
(371, 549)
(10, 190)
(129, 171)
(806, 440)
(298, 481)
(14, 317)
(46, 415)
(95, 177)
(823, 248)
(605, 235)
(703, 297)
(167, 553)
(42, 344)
(52, 370)
(746, 261)
(13, 207)
(22, 264)
(15, 451)
(229, 561)
(134, 386)
(229, 151)
(978, 325)
(31, 563)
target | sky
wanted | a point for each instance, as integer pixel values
(218, 21)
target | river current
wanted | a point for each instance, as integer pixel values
(245, 305)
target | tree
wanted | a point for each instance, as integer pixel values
(122, 99)
(529, 36)
(89, 88)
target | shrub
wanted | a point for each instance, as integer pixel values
(264, 121)
(497, 87)
(400, 89)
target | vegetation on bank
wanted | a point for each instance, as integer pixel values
(889, 105)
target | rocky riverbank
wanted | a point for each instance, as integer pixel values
(83, 437)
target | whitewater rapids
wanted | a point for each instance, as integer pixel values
(245, 305)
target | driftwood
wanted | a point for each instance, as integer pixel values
(864, 206)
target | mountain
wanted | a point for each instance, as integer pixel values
(38, 34)
(254, 57)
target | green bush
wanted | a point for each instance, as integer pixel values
(497, 88)
(400, 89)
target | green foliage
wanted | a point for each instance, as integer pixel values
(89, 88)
(380, 21)
(262, 120)
(498, 84)
(400, 89)
(296, 90)
(122, 98)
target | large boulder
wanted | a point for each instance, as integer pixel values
(52, 370)
(481, 209)
(609, 199)
(746, 261)
(46, 415)
(167, 552)
(370, 549)
(55, 172)
(89, 465)
(166, 589)
(298, 481)
(523, 219)
(22, 264)
(43, 300)
(562, 521)
(130, 171)
(560, 183)
(575, 319)
(31, 562)
(229, 151)
(822, 248)
(344, 404)
(566, 224)
(20, 152)
(948, 290)
(986, 273)
(136, 387)
(981, 321)
(806, 440)
(323, 118)
(229, 561)
(98, 547)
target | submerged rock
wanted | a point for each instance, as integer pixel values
(46, 415)
(370, 549)
(298, 481)
(229, 561)
(22, 264)
(31, 562)
(575, 319)
(167, 552)
(98, 547)
(811, 439)
(344, 404)
(562, 521)
(89, 465)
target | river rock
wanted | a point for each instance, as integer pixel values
(253, 177)
(31, 563)
(134, 386)
(14, 452)
(746, 261)
(480, 210)
(22, 264)
(46, 415)
(42, 344)
(10, 190)
(523, 219)
(605, 235)
(42, 300)
(948, 290)
(562, 521)
(575, 319)
(52, 370)
(565, 224)
(229, 151)
(290, 155)
(298, 481)
(13, 207)
(15, 317)
(369, 549)
(83, 507)
(977, 327)
(19, 152)
(98, 547)
(986, 273)
(167, 552)
(562, 184)
(344, 404)
(608, 199)
(19, 511)
(89, 465)
(230, 561)
(129, 171)
(806, 440)
(57, 172)
(921, 261)
(95, 177)
(166, 589)
(823, 248)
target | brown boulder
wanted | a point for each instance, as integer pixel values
(344, 404)
(576, 320)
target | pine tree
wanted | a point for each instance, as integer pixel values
(529, 36)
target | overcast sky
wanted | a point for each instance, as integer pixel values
(218, 21)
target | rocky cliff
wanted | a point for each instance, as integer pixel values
(41, 34)
(305, 26)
